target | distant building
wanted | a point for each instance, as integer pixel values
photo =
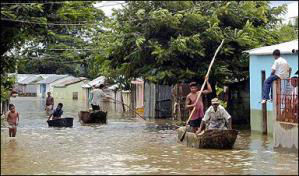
(71, 89)
(88, 86)
(28, 85)
(47, 84)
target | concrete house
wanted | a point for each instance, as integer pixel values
(151, 100)
(88, 86)
(261, 61)
(71, 89)
(29, 85)
(47, 84)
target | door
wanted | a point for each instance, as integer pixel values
(43, 90)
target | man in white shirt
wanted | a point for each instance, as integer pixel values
(216, 117)
(280, 70)
(97, 97)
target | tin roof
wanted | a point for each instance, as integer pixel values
(31, 79)
(51, 79)
(98, 80)
(70, 81)
(285, 48)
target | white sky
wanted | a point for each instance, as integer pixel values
(109, 6)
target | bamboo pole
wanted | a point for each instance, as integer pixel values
(202, 87)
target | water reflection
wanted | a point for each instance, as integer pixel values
(127, 145)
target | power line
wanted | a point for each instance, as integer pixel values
(50, 24)
(55, 61)
(58, 49)
(61, 3)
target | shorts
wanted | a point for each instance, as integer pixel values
(50, 107)
(12, 126)
(195, 123)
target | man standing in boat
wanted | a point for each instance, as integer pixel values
(190, 104)
(97, 97)
(216, 117)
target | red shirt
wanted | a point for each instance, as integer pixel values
(198, 112)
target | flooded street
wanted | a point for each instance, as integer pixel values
(127, 145)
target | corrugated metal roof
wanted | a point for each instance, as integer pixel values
(51, 79)
(31, 79)
(70, 81)
(285, 48)
(98, 80)
(20, 77)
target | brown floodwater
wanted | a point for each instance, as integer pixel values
(127, 145)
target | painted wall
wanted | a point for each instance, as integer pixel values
(67, 92)
(50, 86)
(256, 65)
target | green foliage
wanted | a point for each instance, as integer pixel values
(6, 86)
(287, 32)
(167, 42)
(219, 91)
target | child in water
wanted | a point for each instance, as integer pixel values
(13, 120)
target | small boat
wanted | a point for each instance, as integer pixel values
(61, 122)
(93, 117)
(214, 138)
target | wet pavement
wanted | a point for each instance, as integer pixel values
(127, 145)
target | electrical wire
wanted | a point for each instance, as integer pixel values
(50, 24)
(64, 2)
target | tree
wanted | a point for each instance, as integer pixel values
(166, 42)
(33, 37)
(38, 34)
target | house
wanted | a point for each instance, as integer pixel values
(89, 85)
(71, 89)
(111, 90)
(151, 100)
(47, 84)
(28, 86)
(264, 119)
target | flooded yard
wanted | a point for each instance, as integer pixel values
(127, 145)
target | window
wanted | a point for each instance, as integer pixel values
(75, 95)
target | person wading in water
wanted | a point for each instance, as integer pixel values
(49, 103)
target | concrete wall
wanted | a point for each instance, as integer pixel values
(256, 121)
(256, 65)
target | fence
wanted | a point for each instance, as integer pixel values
(287, 100)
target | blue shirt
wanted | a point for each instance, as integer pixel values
(57, 112)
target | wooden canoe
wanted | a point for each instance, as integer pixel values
(216, 139)
(62, 122)
(93, 117)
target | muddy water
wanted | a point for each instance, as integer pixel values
(127, 145)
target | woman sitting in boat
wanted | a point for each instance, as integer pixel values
(57, 112)
(216, 117)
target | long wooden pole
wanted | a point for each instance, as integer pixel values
(116, 101)
(202, 87)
